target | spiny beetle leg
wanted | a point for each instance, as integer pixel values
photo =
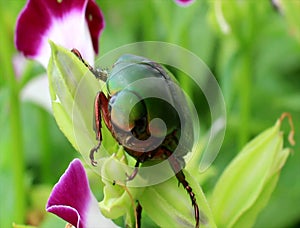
(138, 211)
(100, 106)
(181, 178)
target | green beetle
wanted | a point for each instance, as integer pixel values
(147, 113)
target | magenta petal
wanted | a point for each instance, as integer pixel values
(36, 18)
(95, 22)
(72, 200)
(184, 2)
(62, 21)
(67, 213)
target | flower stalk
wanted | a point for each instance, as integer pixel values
(17, 150)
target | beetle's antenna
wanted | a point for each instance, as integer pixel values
(100, 74)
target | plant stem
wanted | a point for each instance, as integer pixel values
(245, 90)
(44, 142)
(17, 154)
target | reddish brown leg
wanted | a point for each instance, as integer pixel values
(99, 74)
(77, 53)
(181, 178)
(100, 107)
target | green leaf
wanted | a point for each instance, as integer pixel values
(247, 183)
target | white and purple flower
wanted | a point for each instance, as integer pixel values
(72, 200)
(70, 23)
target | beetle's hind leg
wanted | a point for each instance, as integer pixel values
(181, 178)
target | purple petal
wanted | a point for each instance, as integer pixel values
(72, 200)
(70, 23)
(184, 2)
(95, 21)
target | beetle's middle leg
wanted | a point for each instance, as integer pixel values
(140, 160)
(100, 108)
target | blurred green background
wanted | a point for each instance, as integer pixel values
(252, 48)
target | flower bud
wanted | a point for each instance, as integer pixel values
(247, 183)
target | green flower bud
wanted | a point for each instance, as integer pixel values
(118, 198)
(246, 185)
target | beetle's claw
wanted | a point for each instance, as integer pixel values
(132, 175)
(92, 152)
(93, 162)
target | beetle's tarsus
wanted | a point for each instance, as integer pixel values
(181, 178)
(92, 152)
(93, 161)
(134, 173)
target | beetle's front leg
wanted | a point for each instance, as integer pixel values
(100, 107)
